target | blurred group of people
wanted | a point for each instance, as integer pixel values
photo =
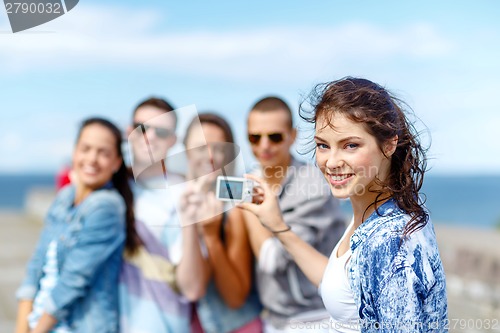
(144, 249)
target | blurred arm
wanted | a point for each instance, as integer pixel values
(268, 213)
(257, 233)
(23, 310)
(193, 272)
(310, 261)
(45, 324)
(231, 263)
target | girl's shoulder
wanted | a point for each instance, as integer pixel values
(107, 199)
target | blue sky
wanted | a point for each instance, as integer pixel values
(441, 57)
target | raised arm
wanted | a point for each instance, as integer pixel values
(231, 259)
(193, 271)
(257, 233)
(267, 212)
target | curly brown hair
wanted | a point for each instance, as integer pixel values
(383, 116)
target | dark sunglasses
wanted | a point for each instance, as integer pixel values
(274, 137)
(159, 131)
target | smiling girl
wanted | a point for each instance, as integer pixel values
(385, 274)
(71, 281)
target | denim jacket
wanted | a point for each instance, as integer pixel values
(398, 285)
(90, 240)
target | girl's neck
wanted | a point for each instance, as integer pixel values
(363, 207)
(80, 194)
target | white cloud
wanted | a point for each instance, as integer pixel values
(94, 37)
(11, 141)
(21, 153)
(120, 37)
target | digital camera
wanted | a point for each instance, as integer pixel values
(234, 189)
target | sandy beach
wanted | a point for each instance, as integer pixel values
(18, 236)
(470, 256)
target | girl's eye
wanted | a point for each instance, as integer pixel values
(320, 145)
(106, 153)
(84, 149)
(351, 146)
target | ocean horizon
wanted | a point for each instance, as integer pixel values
(452, 200)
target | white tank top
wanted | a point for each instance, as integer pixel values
(337, 295)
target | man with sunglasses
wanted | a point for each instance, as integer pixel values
(151, 135)
(291, 303)
(170, 262)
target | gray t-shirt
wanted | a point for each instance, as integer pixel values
(309, 208)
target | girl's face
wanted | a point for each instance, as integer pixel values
(209, 158)
(95, 158)
(350, 158)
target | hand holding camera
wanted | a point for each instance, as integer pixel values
(265, 206)
(234, 189)
(198, 204)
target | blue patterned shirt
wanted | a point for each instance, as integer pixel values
(398, 285)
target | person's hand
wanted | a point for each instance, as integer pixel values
(190, 203)
(211, 215)
(198, 205)
(265, 205)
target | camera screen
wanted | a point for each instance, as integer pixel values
(231, 189)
